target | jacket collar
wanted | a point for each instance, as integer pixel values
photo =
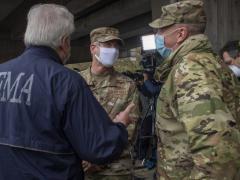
(44, 52)
(105, 79)
(196, 43)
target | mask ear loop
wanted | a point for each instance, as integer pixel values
(95, 55)
(170, 32)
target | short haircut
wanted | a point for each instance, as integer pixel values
(47, 24)
(232, 47)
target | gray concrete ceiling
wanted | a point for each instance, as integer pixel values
(130, 16)
(7, 7)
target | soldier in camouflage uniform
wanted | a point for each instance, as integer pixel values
(230, 53)
(198, 110)
(114, 91)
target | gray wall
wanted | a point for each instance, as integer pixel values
(223, 21)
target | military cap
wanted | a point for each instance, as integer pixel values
(104, 34)
(186, 12)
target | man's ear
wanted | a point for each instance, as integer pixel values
(182, 35)
(93, 48)
(65, 43)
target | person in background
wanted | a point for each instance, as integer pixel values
(230, 53)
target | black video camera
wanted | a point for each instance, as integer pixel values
(136, 76)
(150, 57)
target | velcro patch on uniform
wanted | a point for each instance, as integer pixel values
(110, 103)
(118, 92)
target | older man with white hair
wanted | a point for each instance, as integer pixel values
(49, 119)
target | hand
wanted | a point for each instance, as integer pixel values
(123, 117)
(86, 165)
(89, 167)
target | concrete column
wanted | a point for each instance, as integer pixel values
(223, 21)
(156, 7)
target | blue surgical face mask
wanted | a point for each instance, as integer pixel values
(107, 56)
(161, 48)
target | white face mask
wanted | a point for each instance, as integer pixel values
(235, 69)
(107, 56)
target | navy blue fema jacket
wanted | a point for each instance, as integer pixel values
(50, 121)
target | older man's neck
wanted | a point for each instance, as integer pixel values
(97, 68)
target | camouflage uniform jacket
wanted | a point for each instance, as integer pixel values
(115, 92)
(198, 116)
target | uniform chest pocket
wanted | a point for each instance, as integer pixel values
(113, 99)
(119, 105)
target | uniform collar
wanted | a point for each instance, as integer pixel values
(196, 43)
(44, 52)
(93, 79)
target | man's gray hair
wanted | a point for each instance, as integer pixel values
(47, 24)
(194, 28)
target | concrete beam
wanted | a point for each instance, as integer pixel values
(76, 6)
(223, 21)
(10, 49)
(156, 6)
(80, 8)
(114, 13)
(7, 7)
(16, 22)
(135, 26)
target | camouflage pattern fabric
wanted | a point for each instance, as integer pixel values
(103, 177)
(78, 66)
(139, 174)
(115, 92)
(197, 116)
(104, 34)
(185, 12)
